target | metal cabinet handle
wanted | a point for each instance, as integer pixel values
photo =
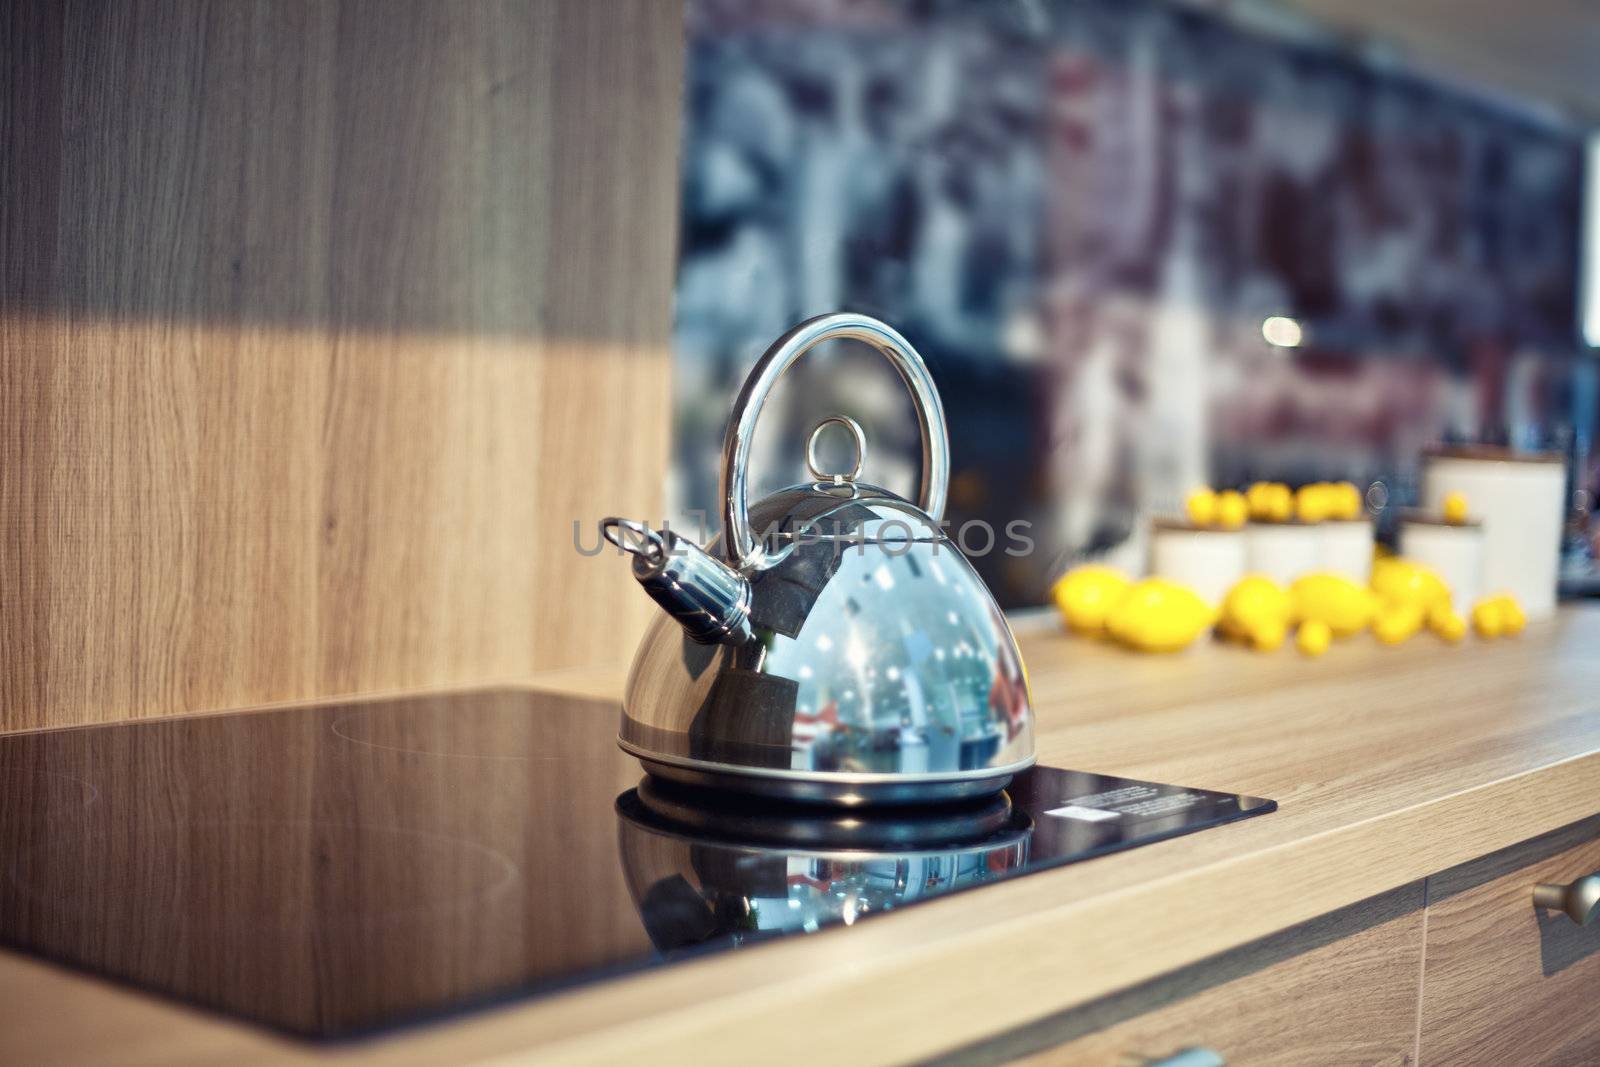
(1579, 901)
(1191, 1057)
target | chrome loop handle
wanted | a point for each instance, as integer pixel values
(858, 436)
(739, 543)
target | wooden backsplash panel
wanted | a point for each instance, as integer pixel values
(322, 322)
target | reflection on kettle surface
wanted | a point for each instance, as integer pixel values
(701, 872)
(934, 667)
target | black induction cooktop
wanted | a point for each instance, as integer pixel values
(333, 870)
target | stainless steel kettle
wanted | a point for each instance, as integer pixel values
(849, 654)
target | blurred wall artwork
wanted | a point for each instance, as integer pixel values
(1141, 246)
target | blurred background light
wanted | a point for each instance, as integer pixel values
(1280, 330)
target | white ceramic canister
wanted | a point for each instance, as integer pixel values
(1453, 551)
(1282, 551)
(1207, 559)
(1519, 497)
(1344, 547)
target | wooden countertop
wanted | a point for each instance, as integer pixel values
(1389, 764)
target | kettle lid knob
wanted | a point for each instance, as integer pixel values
(859, 438)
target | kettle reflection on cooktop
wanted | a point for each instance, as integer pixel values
(700, 868)
(333, 869)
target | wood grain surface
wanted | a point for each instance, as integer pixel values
(322, 323)
(1390, 764)
(1506, 982)
(1341, 989)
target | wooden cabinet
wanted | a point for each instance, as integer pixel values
(1339, 990)
(1476, 974)
(1504, 982)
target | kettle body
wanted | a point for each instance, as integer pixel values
(833, 646)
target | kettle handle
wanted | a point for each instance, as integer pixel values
(739, 542)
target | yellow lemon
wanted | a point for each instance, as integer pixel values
(1085, 596)
(1512, 617)
(1332, 502)
(1160, 616)
(1280, 503)
(1268, 635)
(1400, 581)
(1445, 621)
(1312, 638)
(1455, 508)
(1342, 605)
(1201, 506)
(1311, 502)
(1232, 510)
(1270, 501)
(1396, 623)
(1344, 501)
(1254, 600)
(1259, 498)
(1487, 617)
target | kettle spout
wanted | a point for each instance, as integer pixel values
(710, 600)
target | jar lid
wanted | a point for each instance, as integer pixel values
(1171, 525)
(1495, 453)
(1419, 517)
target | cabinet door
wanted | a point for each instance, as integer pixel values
(1506, 982)
(1339, 990)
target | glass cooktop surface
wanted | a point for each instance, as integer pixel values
(336, 869)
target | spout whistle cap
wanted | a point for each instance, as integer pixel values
(710, 600)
